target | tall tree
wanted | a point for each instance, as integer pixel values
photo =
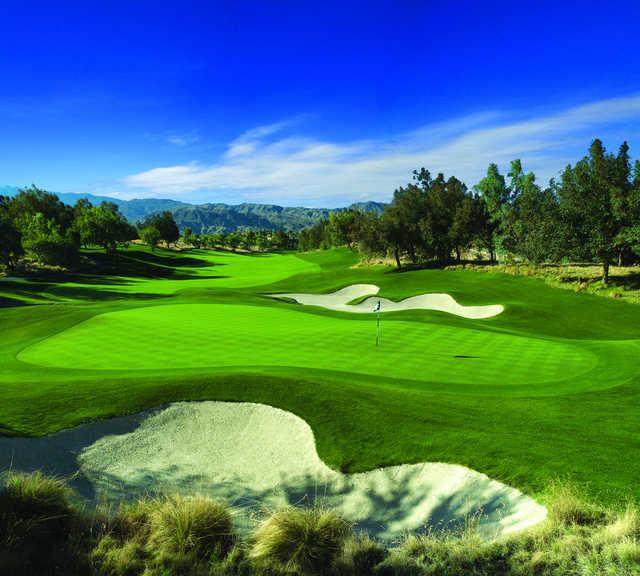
(592, 197)
(103, 226)
(165, 225)
(496, 195)
(10, 237)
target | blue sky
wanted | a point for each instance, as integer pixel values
(307, 103)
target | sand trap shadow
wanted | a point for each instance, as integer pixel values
(257, 457)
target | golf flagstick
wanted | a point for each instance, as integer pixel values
(377, 309)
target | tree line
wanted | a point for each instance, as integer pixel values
(592, 214)
(250, 240)
(37, 225)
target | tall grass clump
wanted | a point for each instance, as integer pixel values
(305, 540)
(196, 527)
(39, 529)
(360, 556)
(567, 507)
(176, 535)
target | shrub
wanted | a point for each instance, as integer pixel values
(306, 539)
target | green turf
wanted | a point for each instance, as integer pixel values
(547, 389)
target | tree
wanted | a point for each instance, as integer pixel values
(466, 224)
(44, 240)
(495, 194)
(150, 235)
(593, 194)
(103, 226)
(32, 200)
(538, 232)
(344, 227)
(10, 238)
(165, 225)
(370, 237)
(187, 236)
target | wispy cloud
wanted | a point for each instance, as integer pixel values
(272, 164)
(183, 139)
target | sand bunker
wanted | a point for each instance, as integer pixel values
(256, 456)
(340, 301)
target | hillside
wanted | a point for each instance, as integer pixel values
(215, 217)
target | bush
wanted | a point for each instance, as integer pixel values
(309, 540)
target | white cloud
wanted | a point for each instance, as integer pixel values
(267, 164)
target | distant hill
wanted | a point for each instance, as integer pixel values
(208, 218)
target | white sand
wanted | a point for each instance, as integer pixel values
(340, 301)
(255, 456)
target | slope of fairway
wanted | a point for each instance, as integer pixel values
(258, 457)
(214, 335)
(142, 274)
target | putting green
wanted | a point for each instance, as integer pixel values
(214, 335)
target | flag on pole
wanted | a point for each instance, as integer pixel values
(377, 309)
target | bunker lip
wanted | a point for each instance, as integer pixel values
(257, 457)
(339, 301)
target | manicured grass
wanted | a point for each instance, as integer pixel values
(552, 389)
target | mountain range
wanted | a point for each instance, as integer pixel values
(215, 217)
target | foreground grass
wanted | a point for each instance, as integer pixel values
(554, 393)
(41, 532)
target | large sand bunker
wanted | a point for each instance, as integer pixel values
(340, 299)
(256, 456)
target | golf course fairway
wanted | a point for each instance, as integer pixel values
(545, 390)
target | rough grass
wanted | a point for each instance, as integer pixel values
(624, 281)
(191, 537)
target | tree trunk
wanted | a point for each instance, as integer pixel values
(605, 272)
(458, 255)
(396, 255)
